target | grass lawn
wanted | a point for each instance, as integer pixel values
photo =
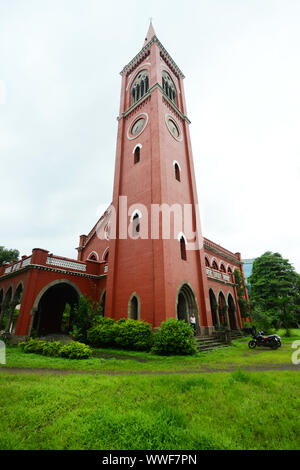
(238, 410)
(224, 410)
(238, 355)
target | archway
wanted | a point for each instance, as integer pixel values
(222, 309)
(50, 307)
(134, 307)
(214, 308)
(186, 304)
(15, 309)
(6, 305)
(232, 313)
(1, 301)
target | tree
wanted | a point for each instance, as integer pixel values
(274, 289)
(7, 256)
(85, 316)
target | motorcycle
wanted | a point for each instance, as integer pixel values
(271, 341)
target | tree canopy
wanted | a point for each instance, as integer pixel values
(7, 256)
(275, 289)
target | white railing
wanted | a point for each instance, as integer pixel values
(62, 263)
(26, 262)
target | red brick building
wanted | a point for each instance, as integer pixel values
(146, 257)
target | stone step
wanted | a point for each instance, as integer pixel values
(211, 347)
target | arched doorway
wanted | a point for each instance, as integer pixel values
(6, 305)
(1, 307)
(222, 309)
(15, 309)
(134, 307)
(232, 313)
(213, 308)
(50, 308)
(186, 304)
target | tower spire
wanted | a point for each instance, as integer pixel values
(150, 33)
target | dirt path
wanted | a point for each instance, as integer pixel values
(263, 368)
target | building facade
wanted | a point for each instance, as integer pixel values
(146, 257)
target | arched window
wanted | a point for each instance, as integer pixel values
(140, 86)
(134, 307)
(222, 268)
(182, 248)
(207, 263)
(136, 225)
(137, 154)
(229, 270)
(106, 257)
(168, 86)
(177, 171)
(214, 265)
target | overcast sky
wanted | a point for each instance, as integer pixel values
(60, 89)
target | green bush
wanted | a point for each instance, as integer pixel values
(86, 314)
(103, 334)
(134, 334)
(73, 350)
(175, 337)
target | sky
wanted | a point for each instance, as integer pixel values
(60, 63)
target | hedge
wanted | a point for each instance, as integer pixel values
(73, 350)
(124, 333)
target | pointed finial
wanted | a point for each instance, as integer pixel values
(150, 33)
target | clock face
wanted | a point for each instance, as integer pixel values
(173, 128)
(137, 126)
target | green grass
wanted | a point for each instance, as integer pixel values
(232, 410)
(239, 410)
(238, 355)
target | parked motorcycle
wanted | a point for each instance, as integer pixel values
(271, 341)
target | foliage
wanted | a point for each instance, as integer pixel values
(124, 333)
(73, 350)
(261, 320)
(103, 333)
(175, 337)
(134, 334)
(7, 256)
(275, 289)
(241, 288)
(86, 314)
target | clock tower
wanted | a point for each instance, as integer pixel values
(156, 256)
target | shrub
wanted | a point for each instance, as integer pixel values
(103, 334)
(174, 337)
(134, 334)
(85, 316)
(73, 350)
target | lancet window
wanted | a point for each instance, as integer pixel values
(168, 86)
(140, 86)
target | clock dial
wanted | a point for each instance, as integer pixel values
(173, 128)
(137, 126)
